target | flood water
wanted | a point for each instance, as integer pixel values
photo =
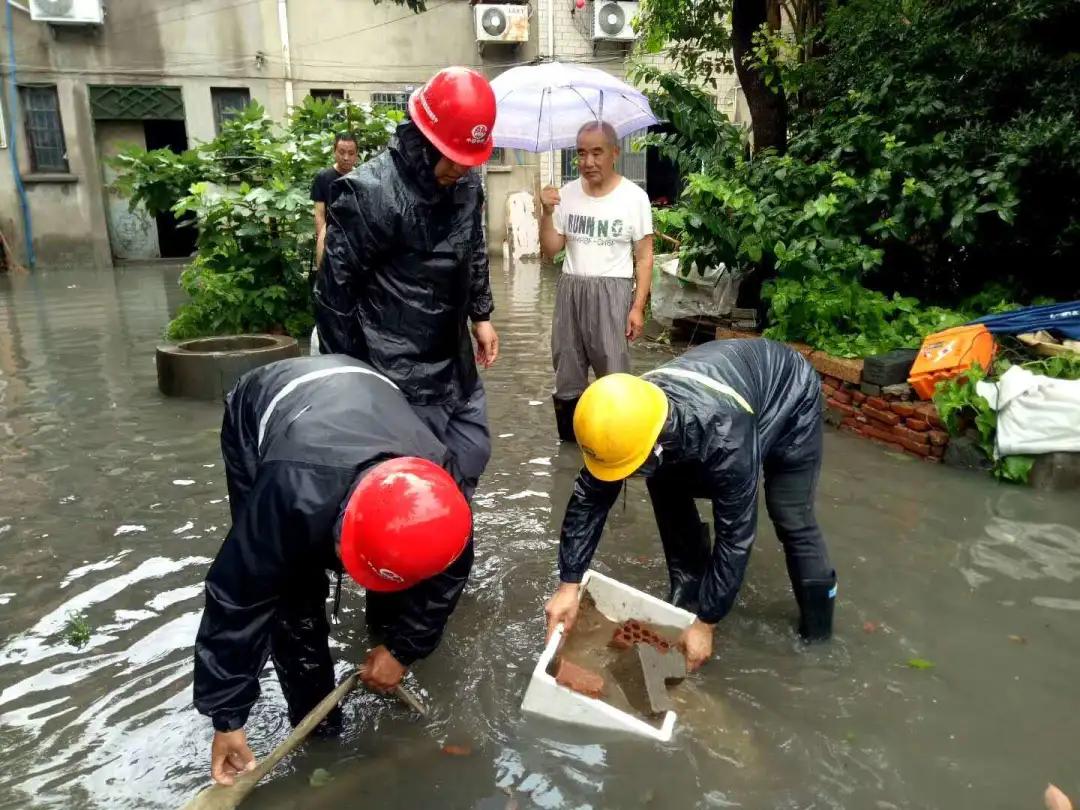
(112, 506)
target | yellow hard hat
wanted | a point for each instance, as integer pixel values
(617, 422)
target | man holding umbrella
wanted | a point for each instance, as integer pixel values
(604, 222)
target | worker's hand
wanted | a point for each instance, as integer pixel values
(696, 644)
(487, 343)
(635, 323)
(230, 756)
(549, 198)
(1055, 799)
(380, 671)
(562, 607)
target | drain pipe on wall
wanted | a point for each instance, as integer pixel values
(12, 144)
(283, 28)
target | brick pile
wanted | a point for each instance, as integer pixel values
(891, 418)
(888, 415)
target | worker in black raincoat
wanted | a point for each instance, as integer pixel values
(328, 468)
(705, 426)
(406, 265)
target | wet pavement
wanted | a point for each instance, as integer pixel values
(112, 506)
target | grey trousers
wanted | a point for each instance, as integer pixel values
(589, 330)
(463, 428)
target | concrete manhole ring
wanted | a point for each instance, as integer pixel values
(208, 368)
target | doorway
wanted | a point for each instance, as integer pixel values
(176, 237)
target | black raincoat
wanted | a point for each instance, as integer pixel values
(405, 267)
(714, 445)
(296, 438)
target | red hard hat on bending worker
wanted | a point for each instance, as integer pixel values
(406, 521)
(456, 112)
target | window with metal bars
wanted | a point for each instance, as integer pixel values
(228, 102)
(394, 100)
(44, 129)
(630, 164)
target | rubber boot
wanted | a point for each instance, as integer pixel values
(686, 568)
(816, 598)
(564, 417)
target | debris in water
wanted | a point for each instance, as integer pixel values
(1018, 639)
(870, 627)
(183, 482)
(128, 528)
(544, 461)
(535, 402)
(320, 777)
(633, 632)
(517, 496)
(580, 679)
(77, 630)
(920, 663)
(185, 528)
(457, 750)
(506, 435)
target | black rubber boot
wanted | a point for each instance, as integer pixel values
(816, 598)
(686, 568)
(564, 417)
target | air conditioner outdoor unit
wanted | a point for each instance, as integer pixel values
(502, 23)
(611, 20)
(67, 12)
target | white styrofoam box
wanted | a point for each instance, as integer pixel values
(619, 603)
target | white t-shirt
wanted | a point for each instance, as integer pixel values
(601, 231)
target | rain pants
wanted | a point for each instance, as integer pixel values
(297, 437)
(737, 408)
(405, 268)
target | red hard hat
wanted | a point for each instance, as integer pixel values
(456, 111)
(406, 521)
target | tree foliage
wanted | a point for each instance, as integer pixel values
(247, 193)
(933, 150)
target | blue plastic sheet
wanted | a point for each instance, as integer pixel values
(1060, 319)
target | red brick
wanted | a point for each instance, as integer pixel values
(917, 425)
(847, 410)
(858, 397)
(828, 391)
(911, 435)
(884, 416)
(848, 370)
(842, 396)
(879, 403)
(851, 422)
(932, 459)
(903, 409)
(881, 434)
(939, 438)
(917, 448)
(802, 349)
(938, 451)
(579, 679)
(928, 412)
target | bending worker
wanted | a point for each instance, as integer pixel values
(704, 426)
(406, 264)
(327, 468)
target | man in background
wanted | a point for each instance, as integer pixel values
(345, 154)
(604, 222)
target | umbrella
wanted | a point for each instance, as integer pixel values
(542, 107)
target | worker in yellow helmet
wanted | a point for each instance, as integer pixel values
(705, 425)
